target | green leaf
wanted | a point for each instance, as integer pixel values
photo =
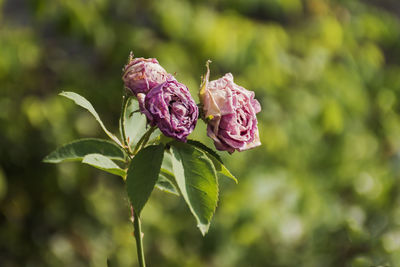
(83, 102)
(109, 263)
(155, 136)
(215, 158)
(167, 162)
(103, 163)
(143, 174)
(204, 148)
(166, 182)
(222, 170)
(197, 182)
(134, 121)
(78, 149)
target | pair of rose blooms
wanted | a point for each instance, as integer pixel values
(228, 109)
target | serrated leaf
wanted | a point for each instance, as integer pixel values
(143, 174)
(166, 181)
(204, 148)
(103, 163)
(134, 121)
(197, 181)
(215, 158)
(78, 149)
(83, 102)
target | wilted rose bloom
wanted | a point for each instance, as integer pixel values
(142, 74)
(231, 113)
(171, 108)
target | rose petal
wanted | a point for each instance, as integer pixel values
(232, 109)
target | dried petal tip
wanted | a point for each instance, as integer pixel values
(204, 82)
(131, 57)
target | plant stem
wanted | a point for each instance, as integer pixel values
(125, 142)
(139, 240)
(121, 120)
(143, 140)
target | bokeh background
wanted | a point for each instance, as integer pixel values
(322, 190)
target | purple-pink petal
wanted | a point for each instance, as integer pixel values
(231, 112)
(141, 75)
(171, 108)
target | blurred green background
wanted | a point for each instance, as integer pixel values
(322, 190)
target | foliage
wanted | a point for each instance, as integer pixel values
(194, 172)
(322, 190)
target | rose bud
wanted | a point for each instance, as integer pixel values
(230, 112)
(142, 74)
(171, 108)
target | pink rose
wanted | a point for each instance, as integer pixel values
(171, 107)
(230, 111)
(143, 74)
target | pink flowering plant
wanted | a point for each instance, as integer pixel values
(154, 151)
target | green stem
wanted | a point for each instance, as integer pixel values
(125, 142)
(121, 120)
(147, 136)
(139, 240)
(143, 140)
